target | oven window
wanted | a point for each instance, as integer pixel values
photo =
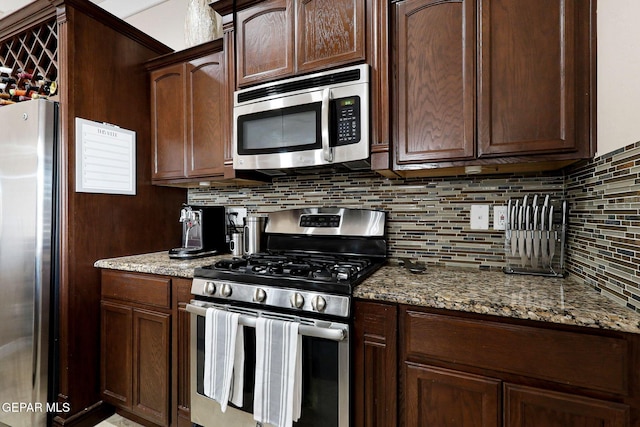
(320, 378)
(282, 130)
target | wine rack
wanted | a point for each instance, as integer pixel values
(34, 51)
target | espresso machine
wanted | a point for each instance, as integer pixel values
(203, 232)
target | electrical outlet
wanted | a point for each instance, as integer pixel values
(499, 217)
(479, 217)
(237, 215)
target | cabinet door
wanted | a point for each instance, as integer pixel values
(526, 406)
(529, 58)
(375, 382)
(182, 335)
(445, 398)
(115, 360)
(151, 341)
(207, 106)
(168, 122)
(265, 48)
(329, 33)
(434, 85)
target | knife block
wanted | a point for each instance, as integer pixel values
(523, 259)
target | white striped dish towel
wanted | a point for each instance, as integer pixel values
(278, 384)
(223, 357)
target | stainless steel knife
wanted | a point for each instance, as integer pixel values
(521, 237)
(514, 233)
(528, 231)
(552, 236)
(536, 238)
(508, 227)
(544, 237)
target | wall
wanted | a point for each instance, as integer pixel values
(618, 74)
(164, 22)
(428, 219)
(604, 231)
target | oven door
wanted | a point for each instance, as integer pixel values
(318, 127)
(325, 372)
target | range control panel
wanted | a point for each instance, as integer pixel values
(320, 221)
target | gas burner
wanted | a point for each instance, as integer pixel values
(323, 268)
(228, 264)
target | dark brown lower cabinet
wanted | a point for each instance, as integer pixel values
(446, 398)
(144, 367)
(375, 364)
(451, 369)
(531, 407)
(151, 357)
(116, 360)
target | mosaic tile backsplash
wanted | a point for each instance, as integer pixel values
(428, 218)
(604, 228)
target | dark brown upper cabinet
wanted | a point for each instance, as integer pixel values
(279, 38)
(507, 85)
(187, 115)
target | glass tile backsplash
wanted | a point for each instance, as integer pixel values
(429, 217)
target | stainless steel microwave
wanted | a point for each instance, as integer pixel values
(316, 120)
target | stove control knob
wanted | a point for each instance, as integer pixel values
(260, 295)
(297, 300)
(209, 288)
(226, 290)
(318, 303)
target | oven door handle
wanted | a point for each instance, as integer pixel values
(332, 334)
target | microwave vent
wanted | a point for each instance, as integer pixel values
(302, 84)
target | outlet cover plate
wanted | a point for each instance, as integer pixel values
(499, 217)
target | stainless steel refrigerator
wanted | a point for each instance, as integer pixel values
(28, 253)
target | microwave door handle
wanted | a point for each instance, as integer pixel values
(327, 151)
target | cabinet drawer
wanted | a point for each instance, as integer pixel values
(140, 288)
(572, 358)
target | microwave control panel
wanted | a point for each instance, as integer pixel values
(347, 120)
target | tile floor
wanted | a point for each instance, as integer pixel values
(117, 421)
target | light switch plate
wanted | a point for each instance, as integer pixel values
(479, 217)
(499, 217)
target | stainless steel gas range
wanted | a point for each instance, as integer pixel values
(314, 258)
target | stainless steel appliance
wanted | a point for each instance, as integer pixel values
(27, 258)
(312, 261)
(317, 120)
(254, 234)
(203, 232)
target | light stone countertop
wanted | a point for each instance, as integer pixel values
(157, 263)
(546, 299)
(486, 292)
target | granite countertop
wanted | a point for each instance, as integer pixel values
(157, 263)
(546, 299)
(486, 292)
